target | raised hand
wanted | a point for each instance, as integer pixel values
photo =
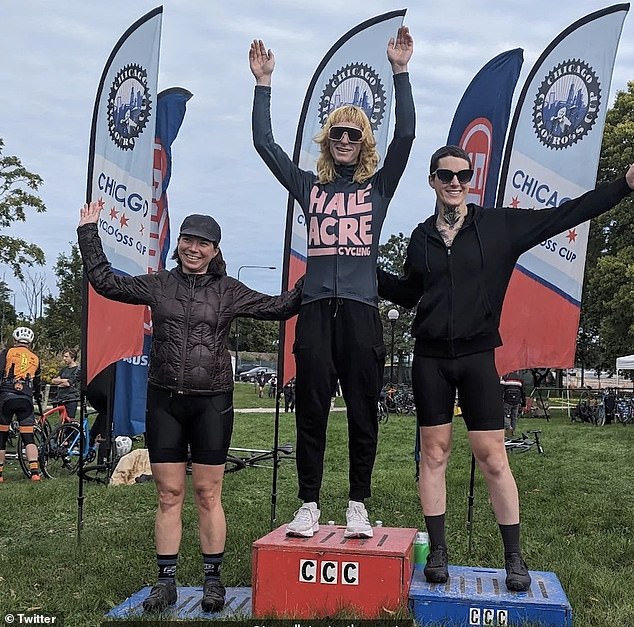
(261, 62)
(89, 214)
(399, 50)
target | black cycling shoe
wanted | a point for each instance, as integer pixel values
(213, 596)
(162, 595)
(436, 569)
(517, 577)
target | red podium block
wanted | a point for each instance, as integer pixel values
(326, 574)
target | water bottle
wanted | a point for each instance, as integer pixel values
(378, 523)
(421, 548)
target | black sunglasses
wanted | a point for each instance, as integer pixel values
(446, 176)
(336, 134)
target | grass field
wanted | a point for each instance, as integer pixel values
(577, 504)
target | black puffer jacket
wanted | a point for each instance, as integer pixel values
(191, 316)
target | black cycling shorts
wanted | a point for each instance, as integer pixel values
(178, 421)
(19, 406)
(435, 381)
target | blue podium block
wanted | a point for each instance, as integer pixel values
(237, 605)
(478, 596)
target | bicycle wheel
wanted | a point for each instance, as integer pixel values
(599, 415)
(21, 450)
(60, 454)
(233, 464)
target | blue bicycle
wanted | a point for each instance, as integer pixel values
(59, 455)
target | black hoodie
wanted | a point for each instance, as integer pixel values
(460, 289)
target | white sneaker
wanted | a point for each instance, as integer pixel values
(357, 523)
(306, 521)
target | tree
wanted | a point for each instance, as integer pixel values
(391, 259)
(15, 198)
(8, 316)
(256, 336)
(63, 314)
(607, 311)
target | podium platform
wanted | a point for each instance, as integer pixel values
(478, 596)
(328, 574)
(237, 605)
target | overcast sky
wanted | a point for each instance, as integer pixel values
(52, 56)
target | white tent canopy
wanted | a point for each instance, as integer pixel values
(625, 363)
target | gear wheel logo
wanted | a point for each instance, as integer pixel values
(129, 106)
(354, 84)
(567, 104)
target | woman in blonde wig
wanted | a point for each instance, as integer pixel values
(339, 333)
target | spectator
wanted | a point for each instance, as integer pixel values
(19, 385)
(289, 396)
(67, 382)
(273, 386)
(514, 398)
(260, 382)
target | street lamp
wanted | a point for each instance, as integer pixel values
(392, 315)
(242, 268)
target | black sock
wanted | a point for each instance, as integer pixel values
(436, 530)
(510, 538)
(166, 567)
(212, 564)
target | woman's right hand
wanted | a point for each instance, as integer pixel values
(261, 62)
(89, 213)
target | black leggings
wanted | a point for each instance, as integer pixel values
(337, 338)
(176, 421)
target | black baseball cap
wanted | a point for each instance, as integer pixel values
(201, 226)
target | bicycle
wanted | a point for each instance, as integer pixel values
(60, 454)
(253, 458)
(624, 410)
(590, 408)
(524, 444)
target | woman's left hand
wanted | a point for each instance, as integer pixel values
(89, 214)
(400, 50)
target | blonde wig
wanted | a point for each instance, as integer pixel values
(368, 156)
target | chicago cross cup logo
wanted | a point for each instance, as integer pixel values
(128, 106)
(567, 104)
(354, 84)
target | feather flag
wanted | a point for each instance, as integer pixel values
(120, 176)
(481, 120)
(552, 154)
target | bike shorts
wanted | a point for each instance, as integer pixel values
(176, 422)
(435, 381)
(19, 406)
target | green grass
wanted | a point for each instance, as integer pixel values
(577, 518)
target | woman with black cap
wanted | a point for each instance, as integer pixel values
(190, 383)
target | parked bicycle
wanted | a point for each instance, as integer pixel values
(624, 410)
(60, 453)
(524, 443)
(590, 408)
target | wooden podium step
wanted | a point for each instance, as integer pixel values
(478, 596)
(327, 574)
(237, 605)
